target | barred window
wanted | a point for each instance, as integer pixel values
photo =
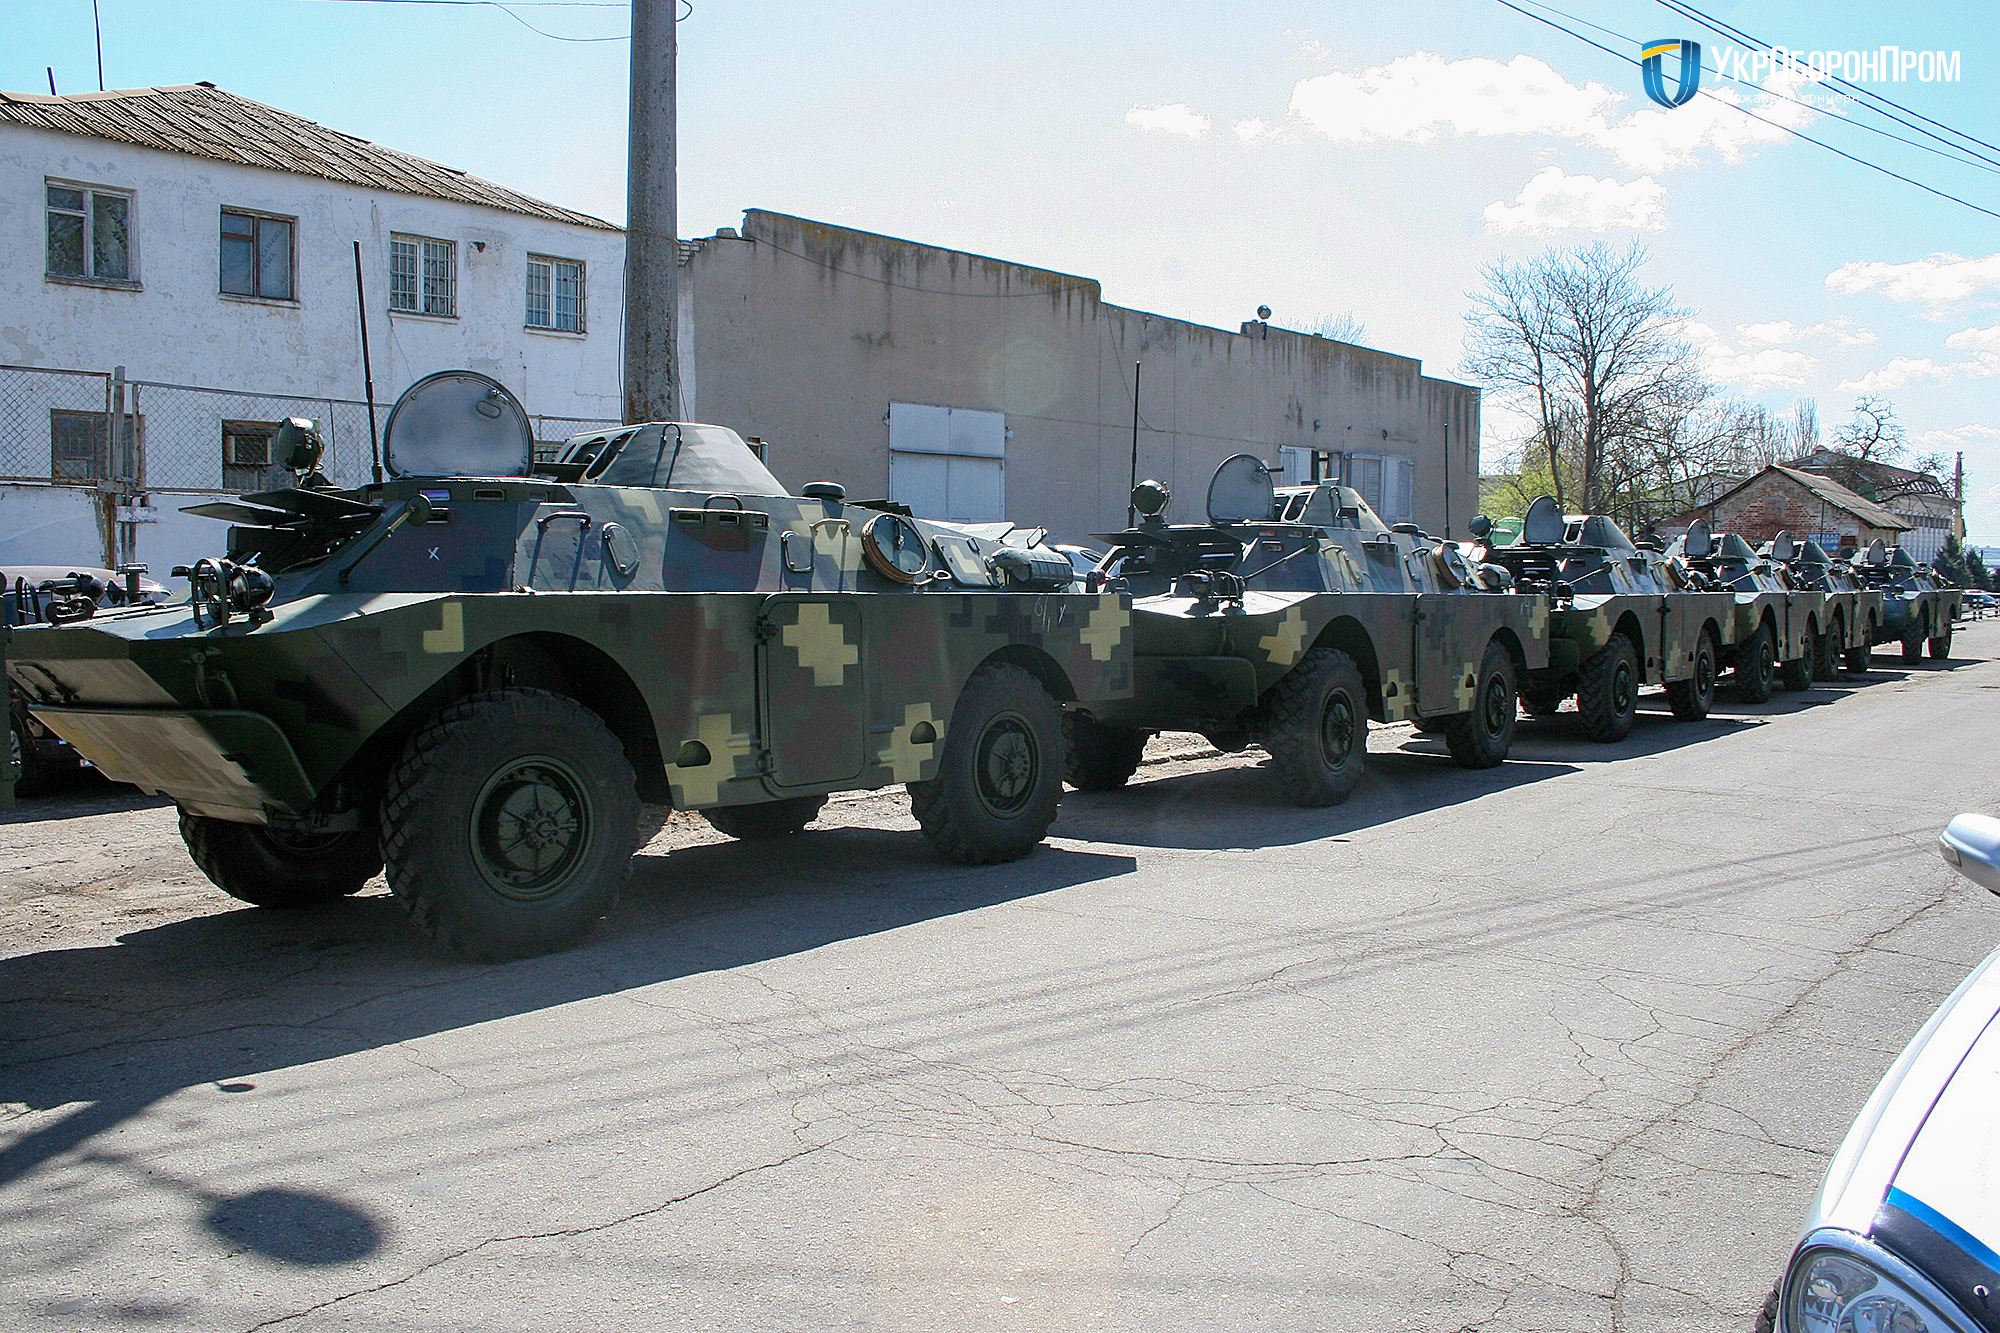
(423, 276)
(89, 233)
(257, 256)
(555, 294)
(80, 444)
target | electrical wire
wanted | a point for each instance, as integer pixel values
(1821, 143)
(1688, 11)
(1951, 153)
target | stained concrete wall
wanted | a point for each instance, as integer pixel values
(804, 333)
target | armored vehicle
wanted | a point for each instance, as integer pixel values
(38, 760)
(474, 672)
(1617, 619)
(1770, 639)
(1916, 612)
(1292, 618)
(1849, 615)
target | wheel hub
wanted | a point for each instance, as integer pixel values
(1007, 764)
(530, 826)
(1336, 728)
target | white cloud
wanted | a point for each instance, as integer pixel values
(1957, 438)
(1906, 370)
(1940, 278)
(1173, 118)
(1308, 43)
(1252, 129)
(1552, 200)
(1423, 97)
(1778, 332)
(1987, 339)
(1756, 368)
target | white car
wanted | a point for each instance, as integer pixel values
(1905, 1234)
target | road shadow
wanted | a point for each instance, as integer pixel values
(207, 999)
(89, 793)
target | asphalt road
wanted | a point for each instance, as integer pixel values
(1563, 1045)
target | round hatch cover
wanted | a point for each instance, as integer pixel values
(1241, 491)
(457, 423)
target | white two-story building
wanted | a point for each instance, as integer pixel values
(177, 276)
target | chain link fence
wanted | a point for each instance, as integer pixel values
(87, 428)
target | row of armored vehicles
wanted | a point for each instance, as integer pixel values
(487, 676)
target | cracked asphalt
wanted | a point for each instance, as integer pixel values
(1561, 1045)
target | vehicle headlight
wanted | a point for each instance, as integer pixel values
(1830, 1292)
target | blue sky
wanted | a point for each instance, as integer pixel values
(1202, 159)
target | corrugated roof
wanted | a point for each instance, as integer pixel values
(204, 121)
(1840, 497)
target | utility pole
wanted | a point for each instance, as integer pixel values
(652, 254)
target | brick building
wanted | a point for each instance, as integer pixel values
(1805, 504)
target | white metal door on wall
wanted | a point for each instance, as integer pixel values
(948, 462)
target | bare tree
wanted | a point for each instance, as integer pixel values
(1872, 434)
(1344, 327)
(1593, 357)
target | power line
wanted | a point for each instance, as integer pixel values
(1821, 143)
(1951, 153)
(1688, 11)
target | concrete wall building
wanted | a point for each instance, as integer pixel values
(974, 388)
(1805, 504)
(196, 238)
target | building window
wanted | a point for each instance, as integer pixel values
(555, 294)
(246, 457)
(90, 233)
(79, 445)
(256, 256)
(948, 462)
(1387, 483)
(423, 276)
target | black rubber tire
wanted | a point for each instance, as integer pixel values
(1692, 698)
(1230, 741)
(35, 776)
(767, 819)
(1482, 737)
(1796, 674)
(1607, 690)
(1940, 646)
(1098, 756)
(1767, 1318)
(454, 792)
(1913, 650)
(1433, 726)
(1826, 651)
(1756, 673)
(1855, 659)
(1541, 705)
(1316, 728)
(1000, 777)
(251, 863)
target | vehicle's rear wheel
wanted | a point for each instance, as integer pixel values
(1940, 647)
(1826, 651)
(766, 819)
(1229, 741)
(1433, 726)
(279, 868)
(1482, 737)
(35, 775)
(1913, 649)
(1855, 659)
(1000, 777)
(1796, 674)
(509, 824)
(1756, 667)
(1607, 690)
(1098, 756)
(1317, 728)
(1692, 698)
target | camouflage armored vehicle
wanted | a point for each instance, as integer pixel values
(1849, 615)
(1617, 619)
(476, 671)
(1292, 618)
(1916, 612)
(1770, 639)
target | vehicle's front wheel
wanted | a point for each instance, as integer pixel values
(1692, 698)
(1000, 777)
(1756, 667)
(767, 819)
(1098, 756)
(278, 868)
(509, 824)
(1826, 651)
(1607, 690)
(1482, 737)
(1317, 728)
